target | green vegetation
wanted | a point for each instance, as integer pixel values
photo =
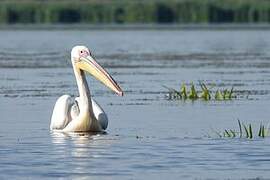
(248, 132)
(204, 94)
(134, 11)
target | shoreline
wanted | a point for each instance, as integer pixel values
(229, 26)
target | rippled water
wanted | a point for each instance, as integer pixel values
(148, 136)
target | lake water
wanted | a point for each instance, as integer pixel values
(148, 135)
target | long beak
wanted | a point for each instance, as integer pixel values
(91, 66)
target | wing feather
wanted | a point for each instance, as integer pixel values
(60, 116)
(100, 115)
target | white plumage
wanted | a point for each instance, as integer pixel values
(82, 113)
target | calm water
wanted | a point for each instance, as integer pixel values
(148, 136)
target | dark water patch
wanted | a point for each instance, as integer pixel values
(185, 57)
(62, 59)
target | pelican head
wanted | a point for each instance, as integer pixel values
(83, 59)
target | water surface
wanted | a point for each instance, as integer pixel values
(148, 136)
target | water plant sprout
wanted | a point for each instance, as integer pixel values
(245, 131)
(205, 93)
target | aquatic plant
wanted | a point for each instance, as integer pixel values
(193, 93)
(183, 91)
(205, 93)
(247, 133)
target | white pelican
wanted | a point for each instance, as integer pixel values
(82, 113)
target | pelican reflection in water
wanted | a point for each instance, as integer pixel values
(82, 113)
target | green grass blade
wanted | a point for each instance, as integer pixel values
(246, 130)
(231, 93)
(183, 91)
(193, 93)
(205, 95)
(250, 131)
(218, 95)
(224, 94)
(240, 128)
(263, 132)
(260, 131)
(233, 133)
(227, 133)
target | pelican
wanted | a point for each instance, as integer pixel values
(83, 113)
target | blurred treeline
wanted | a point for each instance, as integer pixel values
(134, 11)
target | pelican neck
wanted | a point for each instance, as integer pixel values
(84, 92)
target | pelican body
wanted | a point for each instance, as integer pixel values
(82, 113)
